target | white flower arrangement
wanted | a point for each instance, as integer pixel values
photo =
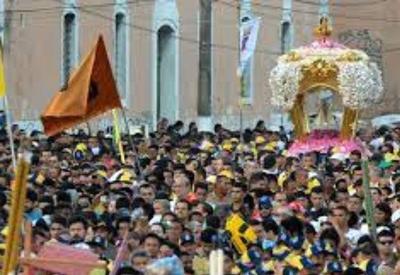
(360, 81)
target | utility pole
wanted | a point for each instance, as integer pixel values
(241, 82)
(205, 52)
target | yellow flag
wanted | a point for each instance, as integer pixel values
(117, 136)
(2, 77)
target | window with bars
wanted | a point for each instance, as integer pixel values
(69, 46)
(285, 37)
(121, 53)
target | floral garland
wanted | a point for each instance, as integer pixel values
(360, 84)
(284, 81)
(360, 81)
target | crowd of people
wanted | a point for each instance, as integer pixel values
(180, 193)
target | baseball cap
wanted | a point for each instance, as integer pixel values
(334, 266)
(187, 239)
(338, 156)
(97, 241)
(265, 202)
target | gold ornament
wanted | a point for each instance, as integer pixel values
(323, 30)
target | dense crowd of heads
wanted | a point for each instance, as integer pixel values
(179, 194)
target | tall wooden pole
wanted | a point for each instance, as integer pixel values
(18, 195)
(241, 86)
(369, 206)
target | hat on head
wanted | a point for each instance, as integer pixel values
(265, 202)
(187, 239)
(97, 241)
(334, 266)
(338, 156)
(227, 146)
(211, 179)
(260, 140)
(395, 216)
(227, 174)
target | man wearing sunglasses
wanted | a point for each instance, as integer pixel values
(385, 241)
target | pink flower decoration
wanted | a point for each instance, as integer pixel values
(322, 141)
(326, 44)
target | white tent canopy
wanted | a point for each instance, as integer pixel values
(390, 120)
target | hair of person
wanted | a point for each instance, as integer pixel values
(356, 153)
(200, 185)
(385, 233)
(78, 219)
(122, 202)
(240, 185)
(152, 236)
(201, 171)
(146, 186)
(213, 221)
(254, 222)
(271, 225)
(185, 202)
(207, 207)
(160, 225)
(377, 190)
(169, 214)
(293, 225)
(122, 220)
(59, 220)
(330, 234)
(340, 207)
(32, 195)
(269, 161)
(194, 213)
(257, 176)
(309, 229)
(139, 253)
(385, 208)
(172, 246)
(271, 178)
(317, 190)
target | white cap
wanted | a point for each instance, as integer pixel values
(382, 228)
(396, 216)
(338, 156)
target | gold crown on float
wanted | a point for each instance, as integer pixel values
(324, 30)
(320, 73)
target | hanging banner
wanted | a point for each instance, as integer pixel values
(248, 42)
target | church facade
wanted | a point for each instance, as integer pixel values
(178, 58)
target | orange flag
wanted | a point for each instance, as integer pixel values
(91, 91)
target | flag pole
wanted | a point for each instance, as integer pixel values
(136, 157)
(241, 90)
(9, 130)
(369, 207)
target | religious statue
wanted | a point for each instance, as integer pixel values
(325, 118)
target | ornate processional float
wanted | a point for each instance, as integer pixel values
(322, 78)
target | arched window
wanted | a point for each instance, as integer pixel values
(165, 69)
(69, 41)
(166, 72)
(285, 37)
(121, 54)
(205, 60)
